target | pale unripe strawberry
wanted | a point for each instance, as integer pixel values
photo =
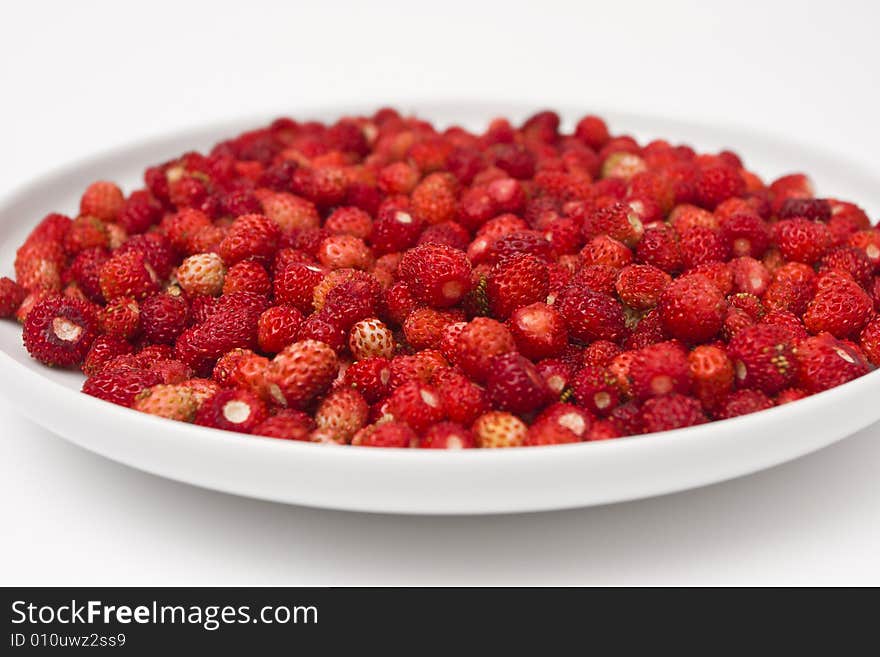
(499, 429)
(202, 273)
(342, 413)
(370, 337)
(175, 402)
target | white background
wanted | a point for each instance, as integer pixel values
(78, 78)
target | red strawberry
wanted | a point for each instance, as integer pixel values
(294, 284)
(595, 388)
(825, 362)
(120, 385)
(801, 240)
(127, 275)
(659, 247)
(157, 252)
(385, 434)
(617, 221)
(745, 234)
(121, 317)
(660, 369)
(869, 340)
(692, 309)
(416, 404)
(370, 377)
(538, 330)
(277, 327)
(715, 184)
(250, 236)
(701, 245)
(601, 353)
(499, 429)
(671, 412)
(743, 402)
(851, 261)
(247, 276)
(566, 416)
(447, 435)
(395, 230)
(514, 384)
(232, 410)
(763, 358)
(436, 275)
(640, 286)
(434, 199)
(59, 331)
(349, 220)
(140, 211)
(546, 433)
(285, 425)
(590, 315)
(424, 327)
(517, 281)
(463, 400)
(478, 343)
(604, 250)
(301, 372)
(103, 200)
(712, 374)
(11, 296)
(840, 307)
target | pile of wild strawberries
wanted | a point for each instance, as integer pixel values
(383, 283)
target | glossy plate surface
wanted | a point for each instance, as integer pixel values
(417, 481)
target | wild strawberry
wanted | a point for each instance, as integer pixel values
(120, 385)
(749, 276)
(514, 384)
(370, 337)
(290, 212)
(434, 199)
(436, 275)
(546, 433)
(590, 316)
(567, 416)
(514, 243)
(743, 402)
(463, 401)
(659, 247)
(670, 412)
(825, 362)
(423, 328)
(869, 340)
(712, 374)
(247, 276)
(398, 178)
(103, 350)
(419, 366)
(557, 374)
(416, 404)
(763, 358)
(515, 282)
(448, 233)
(745, 234)
(600, 353)
(801, 240)
(86, 233)
(617, 221)
(285, 425)
(538, 331)
(232, 410)
(640, 286)
(171, 401)
(181, 228)
(323, 327)
(660, 369)
(447, 435)
(598, 278)
(349, 220)
(344, 411)
(692, 309)
(102, 200)
(748, 303)
(814, 209)
(868, 242)
(234, 325)
(38, 266)
(353, 300)
(851, 261)
(121, 317)
(295, 283)
(735, 320)
(700, 246)
(499, 429)
(139, 212)
(385, 434)
(278, 327)
(603, 430)
(345, 251)
(250, 236)
(203, 273)
(789, 395)
(477, 343)
(370, 376)
(395, 230)
(715, 184)
(840, 307)
(595, 388)
(604, 250)
(59, 331)
(300, 372)
(11, 296)
(623, 165)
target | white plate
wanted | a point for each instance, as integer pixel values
(429, 481)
